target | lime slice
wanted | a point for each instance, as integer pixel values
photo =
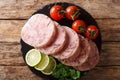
(51, 66)
(43, 63)
(33, 57)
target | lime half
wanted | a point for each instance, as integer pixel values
(43, 63)
(33, 57)
(51, 66)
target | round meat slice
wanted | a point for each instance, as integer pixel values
(39, 31)
(92, 60)
(59, 42)
(71, 47)
(83, 53)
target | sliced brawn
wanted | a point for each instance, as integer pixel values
(72, 46)
(39, 31)
(58, 43)
(92, 60)
(83, 53)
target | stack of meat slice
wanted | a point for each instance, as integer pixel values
(60, 42)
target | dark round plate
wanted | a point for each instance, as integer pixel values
(45, 10)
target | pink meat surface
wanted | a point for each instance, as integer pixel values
(92, 60)
(71, 47)
(59, 42)
(83, 53)
(39, 31)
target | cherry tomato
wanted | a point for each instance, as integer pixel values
(56, 12)
(92, 32)
(72, 12)
(79, 26)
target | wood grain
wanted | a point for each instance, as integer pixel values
(110, 55)
(104, 73)
(23, 73)
(10, 29)
(10, 54)
(17, 73)
(22, 9)
(110, 29)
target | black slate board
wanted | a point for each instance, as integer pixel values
(45, 10)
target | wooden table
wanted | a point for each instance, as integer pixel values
(13, 15)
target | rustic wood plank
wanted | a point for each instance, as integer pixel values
(10, 54)
(104, 73)
(110, 29)
(22, 9)
(10, 29)
(23, 73)
(110, 54)
(17, 73)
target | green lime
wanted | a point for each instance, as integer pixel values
(51, 66)
(33, 57)
(43, 63)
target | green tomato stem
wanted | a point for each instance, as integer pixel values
(61, 11)
(92, 33)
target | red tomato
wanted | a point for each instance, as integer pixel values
(92, 32)
(72, 12)
(56, 12)
(79, 26)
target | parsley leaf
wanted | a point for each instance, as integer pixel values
(63, 72)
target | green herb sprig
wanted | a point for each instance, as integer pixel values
(63, 72)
